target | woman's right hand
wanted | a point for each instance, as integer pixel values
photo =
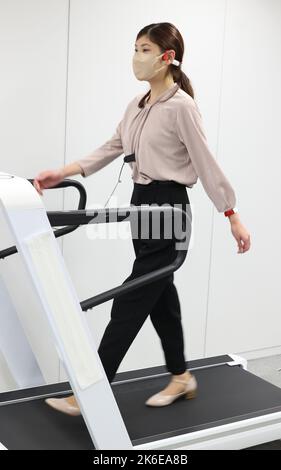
(48, 179)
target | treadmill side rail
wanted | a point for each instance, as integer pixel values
(238, 361)
(233, 436)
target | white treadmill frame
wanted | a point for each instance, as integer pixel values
(233, 436)
(26, 216)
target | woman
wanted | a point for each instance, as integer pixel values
(163, 130)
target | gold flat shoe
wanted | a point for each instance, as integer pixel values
(190, 391)
(61, 404)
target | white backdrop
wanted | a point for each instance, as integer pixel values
(66, 78)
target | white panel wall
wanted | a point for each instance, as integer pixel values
(66, 81)
(245, 296)
(33, 51)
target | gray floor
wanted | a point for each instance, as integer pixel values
(267, 368)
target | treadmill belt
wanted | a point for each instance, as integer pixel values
(34, 425)
(225, 394)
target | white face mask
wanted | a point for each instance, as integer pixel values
(144, 65)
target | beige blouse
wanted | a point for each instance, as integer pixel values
(169, 143)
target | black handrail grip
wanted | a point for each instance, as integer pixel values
(81, 205)
(104, 216)
(134, 283)
(62, 231)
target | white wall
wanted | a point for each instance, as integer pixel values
(67, 80)
(33, 51)
(245, 298)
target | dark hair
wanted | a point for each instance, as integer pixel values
(167, 36)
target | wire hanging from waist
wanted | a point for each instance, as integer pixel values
(127, 159)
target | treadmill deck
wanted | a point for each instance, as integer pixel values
(226, 394)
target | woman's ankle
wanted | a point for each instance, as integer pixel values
(182, 375)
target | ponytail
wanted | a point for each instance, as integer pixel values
(183, 81)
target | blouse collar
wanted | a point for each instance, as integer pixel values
(164, 96)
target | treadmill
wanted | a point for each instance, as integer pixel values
(234, 409)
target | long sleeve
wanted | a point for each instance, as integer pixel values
(191, 133)
(103, 155)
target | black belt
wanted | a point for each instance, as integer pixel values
(130, 158)
(159, 182)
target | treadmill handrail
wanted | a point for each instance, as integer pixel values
(62, 231)
(106, 215)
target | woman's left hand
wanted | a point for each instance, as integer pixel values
(241, 235)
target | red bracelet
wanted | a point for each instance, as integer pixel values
(230, 212)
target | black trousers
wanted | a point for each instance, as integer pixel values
(158, 299)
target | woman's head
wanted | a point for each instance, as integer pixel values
(159, 54)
